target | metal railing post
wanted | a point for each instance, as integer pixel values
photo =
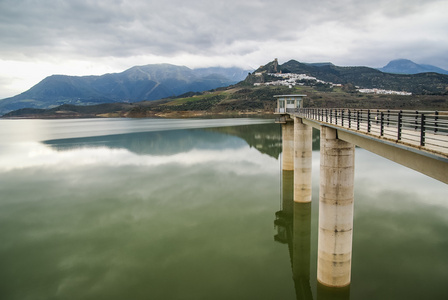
(381, 124)
(399, 125)
(416, 120)
(357, 120)
(349, 119)
(422, 130)
(368, 120)
(436, 121)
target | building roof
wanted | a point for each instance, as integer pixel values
(289, 95)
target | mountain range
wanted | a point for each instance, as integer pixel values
(148, 82)
(158, 81)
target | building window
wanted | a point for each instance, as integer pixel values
(282, 103)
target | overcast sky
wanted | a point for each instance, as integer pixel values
(39, 38)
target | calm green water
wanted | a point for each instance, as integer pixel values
(185, 209)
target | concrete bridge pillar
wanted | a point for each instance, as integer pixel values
(335, 209)
(288, 146)
(303, 142)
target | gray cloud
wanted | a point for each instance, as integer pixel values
(122, 28)
(346, 32)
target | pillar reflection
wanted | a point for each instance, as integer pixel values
(332, 293)
(301, 250)
(293, 224)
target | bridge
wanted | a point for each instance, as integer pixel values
(415, 139)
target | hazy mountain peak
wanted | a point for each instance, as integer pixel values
(406, 66)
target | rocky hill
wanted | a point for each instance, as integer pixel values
(362, 77)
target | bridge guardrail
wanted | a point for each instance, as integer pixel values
(424, 128)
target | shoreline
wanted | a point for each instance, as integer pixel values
(149, 114)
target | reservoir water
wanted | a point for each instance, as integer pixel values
(185, 209)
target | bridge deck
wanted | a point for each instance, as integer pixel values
(422, 131)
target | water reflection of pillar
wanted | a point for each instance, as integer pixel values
(335, 210)
(332, 293)
(301, 250)
(293, 225)
(303, 142)
(283, 218)
(287, 192)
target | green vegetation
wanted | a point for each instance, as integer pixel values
(197, 102)
(242, 99)
(420, 84)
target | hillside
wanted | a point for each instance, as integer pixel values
(240, 100)
(149, 82)
(363, 77)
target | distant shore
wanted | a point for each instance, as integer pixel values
(165, 115)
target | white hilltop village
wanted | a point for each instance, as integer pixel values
(292, 79)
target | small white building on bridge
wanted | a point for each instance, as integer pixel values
(285, 102)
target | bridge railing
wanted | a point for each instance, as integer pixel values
(424, 128)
